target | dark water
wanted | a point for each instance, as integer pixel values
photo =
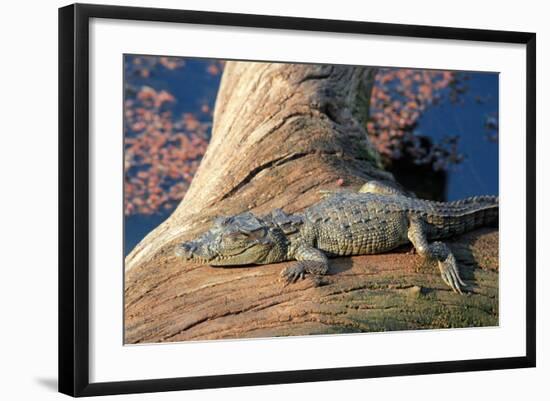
(193, 86)
(137, 226)
(478, 173)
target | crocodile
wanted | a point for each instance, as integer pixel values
(377, 219)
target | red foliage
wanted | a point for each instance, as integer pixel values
(162, 152)
(215, 67)
(398, 99)
(142, 66)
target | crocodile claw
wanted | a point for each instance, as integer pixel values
(292, 273)
(450, 275)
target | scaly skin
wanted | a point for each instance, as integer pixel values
(377, 219)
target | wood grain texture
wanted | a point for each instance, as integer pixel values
(393, 291)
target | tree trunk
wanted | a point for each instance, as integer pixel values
(281, 133)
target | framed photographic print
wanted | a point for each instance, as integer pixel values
(249, 199)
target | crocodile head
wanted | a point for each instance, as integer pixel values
(238, 240)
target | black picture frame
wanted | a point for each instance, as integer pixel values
(74, 198)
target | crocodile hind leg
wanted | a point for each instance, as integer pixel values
(309, 260)
(436, 250)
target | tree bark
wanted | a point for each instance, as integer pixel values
(281, 133)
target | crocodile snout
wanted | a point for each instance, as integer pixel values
(185, 250)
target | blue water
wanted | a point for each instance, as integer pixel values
(193, 87)
(478, 173)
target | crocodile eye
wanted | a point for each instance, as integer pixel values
(236, 236)
(221, 221)
(256, 233)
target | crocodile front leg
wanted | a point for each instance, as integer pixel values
(436, 250)
(310, 260)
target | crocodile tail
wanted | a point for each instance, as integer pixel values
(458, 217)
